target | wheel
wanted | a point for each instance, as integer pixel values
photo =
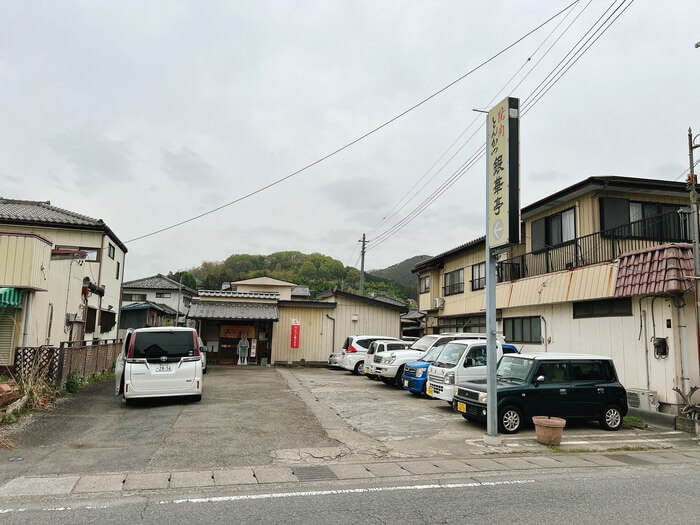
(359, 369)
(611, 419)
(510, 420)
(398, 380)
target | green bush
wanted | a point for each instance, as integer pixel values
(72, 382)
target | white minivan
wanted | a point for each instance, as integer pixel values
(460, 360)
(160, 362)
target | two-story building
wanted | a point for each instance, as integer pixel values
(154, 301)
(60, 277)
(604, 267)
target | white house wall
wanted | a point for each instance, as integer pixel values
(624, 341)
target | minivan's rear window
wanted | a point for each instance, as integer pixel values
(173, 344)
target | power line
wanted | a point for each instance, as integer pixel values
(548, 85)
(355, 141)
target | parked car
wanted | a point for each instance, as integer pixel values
(570, 386)
(159, 362)
(380, 347)
(334, 360)
(415, 374)
(355, 351)
(460, 360)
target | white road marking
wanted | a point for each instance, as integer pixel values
(347, 491)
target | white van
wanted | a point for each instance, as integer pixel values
(460, 360)
(159, 362)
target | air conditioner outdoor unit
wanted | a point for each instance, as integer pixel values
(438, 302)
(642, 399)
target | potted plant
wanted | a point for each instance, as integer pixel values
(548, 429)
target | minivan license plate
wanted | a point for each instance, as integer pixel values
(430, 390)
(462, 407)
(163, 368)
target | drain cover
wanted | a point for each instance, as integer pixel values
(313, 473)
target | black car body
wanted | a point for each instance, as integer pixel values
(570, 386)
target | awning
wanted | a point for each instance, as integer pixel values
(663, 269)
(10, 298)
(233, 311)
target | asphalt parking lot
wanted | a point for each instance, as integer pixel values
(252, 416)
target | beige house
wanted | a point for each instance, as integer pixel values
(603, 267)
(60, 275)
(282, 324)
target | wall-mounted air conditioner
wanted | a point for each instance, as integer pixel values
(642, 399)
(438, 302)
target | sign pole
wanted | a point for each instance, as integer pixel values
(502, 230)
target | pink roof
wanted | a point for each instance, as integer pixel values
(663, 269)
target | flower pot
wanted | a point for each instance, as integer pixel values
(548, 429)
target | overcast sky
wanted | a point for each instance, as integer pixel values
(145, 114)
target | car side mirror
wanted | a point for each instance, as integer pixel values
(203, 348)
(468, 362)
(539, 379)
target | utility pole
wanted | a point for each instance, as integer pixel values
(692, 183)
(179, 294)
(362, 267)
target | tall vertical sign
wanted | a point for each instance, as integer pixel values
(502, 228)
(503, 174)
(295, 334)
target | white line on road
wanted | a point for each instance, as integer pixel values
(347, 491)
(291, 495)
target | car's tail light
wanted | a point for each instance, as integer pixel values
(351, 349)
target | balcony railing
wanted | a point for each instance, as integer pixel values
(597, 247)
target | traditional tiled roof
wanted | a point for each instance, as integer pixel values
(663, 269)
(157, 282)
(231, 311)
(239, 295)
(368, 300)
(13, 211)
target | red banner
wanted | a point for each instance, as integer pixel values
(295, 335)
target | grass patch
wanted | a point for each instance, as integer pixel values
(634, 448)
(559, 450)
(633, 422)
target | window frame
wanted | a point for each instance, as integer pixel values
(163, 295)
(110, 250)
(424, 284)
(552, 228)
(456, 287)
(478, 282)
(612, 307)
(515, 329)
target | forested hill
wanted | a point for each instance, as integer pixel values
(319, 272)
(402, 272)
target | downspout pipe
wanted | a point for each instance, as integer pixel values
(27, 317)
(333, 333)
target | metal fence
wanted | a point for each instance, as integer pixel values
(54, 364)
(597, 248)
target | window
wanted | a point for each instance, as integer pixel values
(134, 296)
(425, 284)
(107, 321)
(617, 214)
(479, 276)
(118, 269)
(162, 295)
(454, 282)
(477, 355)
(110, 250)
(522, 330)
(90, 319)
(553, 230)
(476, 324)
(90, 254)
(591, 371)
(553, 372)
(620, 307)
